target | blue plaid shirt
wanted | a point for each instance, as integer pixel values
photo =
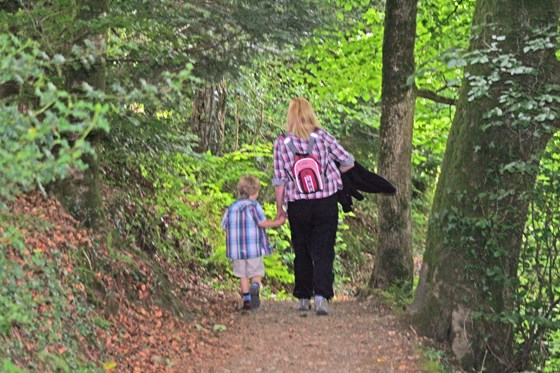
(244, 238)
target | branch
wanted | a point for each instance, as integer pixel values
(431, 95)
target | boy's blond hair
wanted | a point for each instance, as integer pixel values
(247, 186)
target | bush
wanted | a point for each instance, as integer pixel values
(42, 128)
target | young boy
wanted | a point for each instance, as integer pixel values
(246, 240)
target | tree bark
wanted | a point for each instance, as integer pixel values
(209, 117)
(489, 168)
(79, 192)
(393, 261)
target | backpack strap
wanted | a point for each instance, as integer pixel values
(310, 144)
(291, 145)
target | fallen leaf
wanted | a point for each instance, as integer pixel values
(219, 328)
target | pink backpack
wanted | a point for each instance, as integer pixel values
(306, 168)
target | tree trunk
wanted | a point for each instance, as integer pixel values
(209, 117)
(79, 192)
(498, 134)
(393, 261)
(236, 142)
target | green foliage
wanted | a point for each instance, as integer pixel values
(553, 350)
(9, 367)
(181, 219)
(436, 361)
(218, 37)
(44, 318)
(279, 265)
(538, 294)
(331, 68)
(43, 129)
(442, 28)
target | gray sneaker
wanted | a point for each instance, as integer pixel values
(321, 307)
(255, 296)
(304, 304)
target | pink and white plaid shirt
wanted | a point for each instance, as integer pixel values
(326, 151)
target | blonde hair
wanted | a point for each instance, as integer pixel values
(247, 186)
(301, 119)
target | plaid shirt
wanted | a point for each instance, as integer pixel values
(326, 151)
(244, 238)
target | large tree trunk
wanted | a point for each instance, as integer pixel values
(80, 191)
(489, 168)
(209, 117)
(393, 261)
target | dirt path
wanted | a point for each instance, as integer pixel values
(142, 336)
(357, 336)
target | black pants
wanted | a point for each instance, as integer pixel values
(313, 224)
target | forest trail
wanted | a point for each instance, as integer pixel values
(139, 334)
(356, 336)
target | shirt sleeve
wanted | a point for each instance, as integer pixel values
(225, 220)
(280, 175)
(260, 213)
(337, 152)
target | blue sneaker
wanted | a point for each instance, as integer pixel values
(255, 296)
(246, 305)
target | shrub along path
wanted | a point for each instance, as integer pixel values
(357, 336)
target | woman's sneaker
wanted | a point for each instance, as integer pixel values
(304, 304)
(321, 307)
(255, 296)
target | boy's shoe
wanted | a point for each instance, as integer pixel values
(321, 307)
(255, 296)
(304, 304)
(246, 305)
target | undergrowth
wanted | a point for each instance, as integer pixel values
(45, 320)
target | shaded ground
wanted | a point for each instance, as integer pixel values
(357, 336)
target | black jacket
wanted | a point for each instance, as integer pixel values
(359, 179)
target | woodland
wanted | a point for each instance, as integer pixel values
(126, 124)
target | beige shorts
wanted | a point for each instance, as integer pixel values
(248, 268)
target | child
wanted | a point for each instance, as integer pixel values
(246, 240)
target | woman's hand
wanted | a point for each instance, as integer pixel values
(280, 213)
(346, 168)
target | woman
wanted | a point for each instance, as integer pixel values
(313, 216)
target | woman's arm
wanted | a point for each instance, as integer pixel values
(343, 169)
(338, 153)
(280, 177)
(279, 192)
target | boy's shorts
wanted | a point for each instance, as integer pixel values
(247, 268)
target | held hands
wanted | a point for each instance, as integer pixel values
(280, 217)
(280, 212)
(280, 220)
